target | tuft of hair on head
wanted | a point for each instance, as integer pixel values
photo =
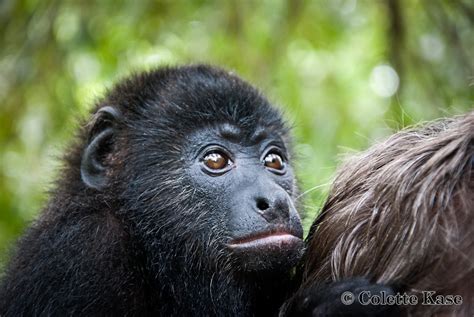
(402, 213)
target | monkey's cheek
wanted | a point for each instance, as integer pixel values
(272, 253)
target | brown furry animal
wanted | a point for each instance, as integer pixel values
(402, 213)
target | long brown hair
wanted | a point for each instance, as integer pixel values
(402, 213)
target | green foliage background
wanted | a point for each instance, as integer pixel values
(315, 59)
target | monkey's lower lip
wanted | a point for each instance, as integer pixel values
(278, 240)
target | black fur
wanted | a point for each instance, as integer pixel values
(144, 242)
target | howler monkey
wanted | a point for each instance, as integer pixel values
(402, 213)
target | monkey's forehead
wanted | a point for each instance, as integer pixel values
(228, 133)
(187, 97)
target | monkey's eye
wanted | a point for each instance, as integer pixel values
(274, 161)
(216, 161)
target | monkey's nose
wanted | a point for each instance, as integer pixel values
(262, 204)
(274, 209)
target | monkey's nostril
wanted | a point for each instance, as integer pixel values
(262, 204)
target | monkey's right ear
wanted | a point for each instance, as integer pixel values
(99, 145)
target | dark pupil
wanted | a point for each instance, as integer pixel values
(274, 161)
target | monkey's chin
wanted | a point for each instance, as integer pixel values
(274, 252)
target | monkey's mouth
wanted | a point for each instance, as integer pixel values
(277, 249)
(279, 239)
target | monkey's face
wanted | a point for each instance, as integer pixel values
(248, 183)
(197, 163)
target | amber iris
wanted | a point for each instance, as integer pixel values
(273, 160)
(216, 161)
